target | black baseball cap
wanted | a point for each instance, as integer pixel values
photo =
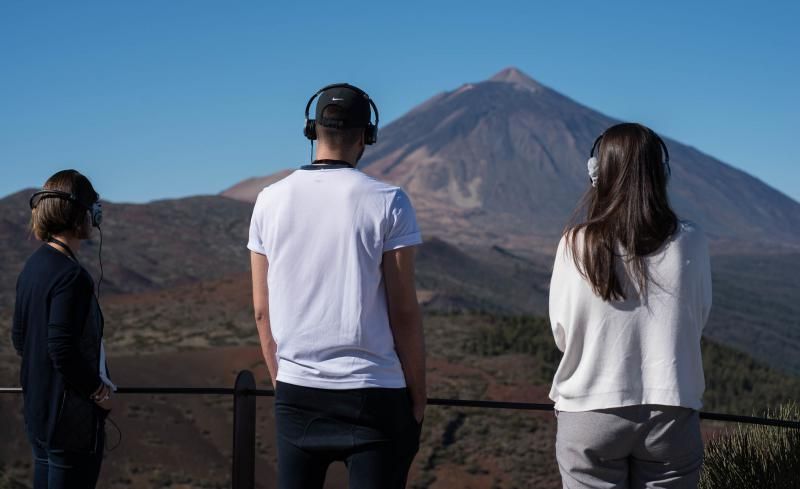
(353, 101)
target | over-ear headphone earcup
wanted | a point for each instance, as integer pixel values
(593, 167)
(310, 129)
(97, 214)
(371, 134)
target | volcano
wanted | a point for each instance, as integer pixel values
(503, 162)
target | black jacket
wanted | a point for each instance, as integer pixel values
(58, 328)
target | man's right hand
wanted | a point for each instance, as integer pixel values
(419, 412)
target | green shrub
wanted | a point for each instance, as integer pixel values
(755, 457)
(735, 383)
(529, 335)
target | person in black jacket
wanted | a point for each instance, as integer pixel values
(58, 331)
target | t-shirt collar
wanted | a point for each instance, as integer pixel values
(326, 165)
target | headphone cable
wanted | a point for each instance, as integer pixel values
(100, 260)
(119, 432)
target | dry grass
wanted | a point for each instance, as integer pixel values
(755, 457)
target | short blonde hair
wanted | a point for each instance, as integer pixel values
(52, 215)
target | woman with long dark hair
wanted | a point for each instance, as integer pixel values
(629, 297)
(58, 332)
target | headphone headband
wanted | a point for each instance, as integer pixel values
(371, 134)
(348, 86)
(96, 209)
(658, 138)
(42, 194)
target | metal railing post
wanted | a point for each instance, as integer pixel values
(244, 431)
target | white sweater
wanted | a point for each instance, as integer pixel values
(636, 351)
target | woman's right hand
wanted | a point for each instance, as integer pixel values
(102, 394)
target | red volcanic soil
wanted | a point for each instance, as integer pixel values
(195, 432)
(184, 441)
(233, 287)
(176, 441)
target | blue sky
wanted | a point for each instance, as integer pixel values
(161, 99)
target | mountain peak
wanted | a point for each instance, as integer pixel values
(517, 77)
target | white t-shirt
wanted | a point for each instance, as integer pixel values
(324, 231)
(632, 352)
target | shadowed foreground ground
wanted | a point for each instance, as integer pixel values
(185, 441)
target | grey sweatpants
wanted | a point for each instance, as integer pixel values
(632, 447)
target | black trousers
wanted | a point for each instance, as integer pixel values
(373, 431)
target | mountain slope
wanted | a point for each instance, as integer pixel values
(145, 246)
(509, 155)
(503, 161)
(248, 189)
(500, 164)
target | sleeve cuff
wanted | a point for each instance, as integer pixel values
(402, 242)
(255, 247)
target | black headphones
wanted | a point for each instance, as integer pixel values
(660, 141)
(370, 132)
(96, 209)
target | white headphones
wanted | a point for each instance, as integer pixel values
(593, 165)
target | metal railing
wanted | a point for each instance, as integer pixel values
(244, 394)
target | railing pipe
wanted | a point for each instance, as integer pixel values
(244, 431)
(251, 392)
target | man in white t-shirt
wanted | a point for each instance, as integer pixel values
(332, 255)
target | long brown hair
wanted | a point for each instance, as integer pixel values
(628, 210)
